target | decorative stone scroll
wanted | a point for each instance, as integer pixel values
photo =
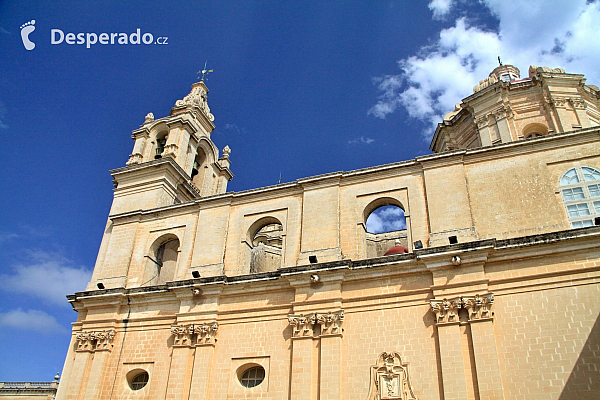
(390, 379)
(135, 158)
(330, 323)
(194, 334)
(198, 98)
(478, 306)
(446, 310)
(95, 340)
(170, 150)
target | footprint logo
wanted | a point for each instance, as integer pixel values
(26, 29)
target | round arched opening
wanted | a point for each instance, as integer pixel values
(535, 130)
(266, 245)
(161, 261)
(161, 142)
(386, 218)
(385, 228)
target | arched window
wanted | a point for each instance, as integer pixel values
(161, 141)
(385, 225)
(162, 261)
(580, 189)
(534, 130)
(266, 251)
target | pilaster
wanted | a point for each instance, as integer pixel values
(453, 370)
(484, 345)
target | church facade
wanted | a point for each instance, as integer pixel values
(282, 292)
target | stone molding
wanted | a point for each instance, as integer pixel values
(194, 334)
(304, 324)
(478, 307)
(91, 341)
(390, 379)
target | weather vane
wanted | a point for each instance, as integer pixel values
(204, 72)
(499, 62)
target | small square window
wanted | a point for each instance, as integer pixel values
(573, 194)
(578, 210)
(582, 224)
(594, 190)
(597, 207)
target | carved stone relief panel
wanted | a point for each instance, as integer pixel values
(390, 379)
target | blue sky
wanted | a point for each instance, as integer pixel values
(298, 89)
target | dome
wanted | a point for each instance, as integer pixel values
(396, 250)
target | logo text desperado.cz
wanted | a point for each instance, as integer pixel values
(57, 36)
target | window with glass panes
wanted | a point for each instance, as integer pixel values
(580, 189)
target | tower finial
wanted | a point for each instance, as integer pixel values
(499, 62)
(204, 72)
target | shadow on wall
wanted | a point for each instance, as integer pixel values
(584, 381)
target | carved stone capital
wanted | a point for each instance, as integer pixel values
(446, 310)
(558, 102)
(577, 102)
(481, 122)
(206, 333)
(479, 306)
(331, 323)
(95, 340)
(182, 335)
(390, 379)
(194, 334)
(302, 325)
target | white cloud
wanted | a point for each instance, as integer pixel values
(4, 236)
(386, 219)
(531, 32)
(47, 276)
(361, 140)
(31, 320)
(440, 8)
(2, 116)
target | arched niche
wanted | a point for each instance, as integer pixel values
(265, 243)
(385, 223)
(161, 260)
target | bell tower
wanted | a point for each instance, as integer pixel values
(173, 159)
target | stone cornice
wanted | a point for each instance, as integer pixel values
(395, 169)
